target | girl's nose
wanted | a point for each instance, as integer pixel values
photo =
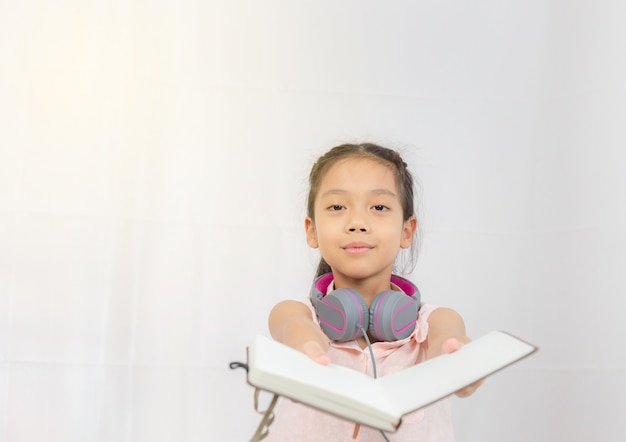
(357, 221)
(357, 225)
(354, 229)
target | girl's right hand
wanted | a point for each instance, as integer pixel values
(315, 351)
(291, 323)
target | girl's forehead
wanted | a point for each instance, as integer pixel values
(357, 165)
(359, 172)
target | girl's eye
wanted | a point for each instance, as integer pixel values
(380, 208)
(335, 207)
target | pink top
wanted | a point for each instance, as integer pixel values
(297, 422)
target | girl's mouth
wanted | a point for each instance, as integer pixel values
(357, 247)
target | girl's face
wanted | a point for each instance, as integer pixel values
(358, 224)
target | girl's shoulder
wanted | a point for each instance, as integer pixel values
(421, 330)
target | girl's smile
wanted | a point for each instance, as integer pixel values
(357, 247)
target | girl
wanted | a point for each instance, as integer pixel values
(360, 214)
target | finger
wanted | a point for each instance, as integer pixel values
(450, 345)
(316, 352)
(322, 359)
(470, 389)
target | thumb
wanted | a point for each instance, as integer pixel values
(315, 351)
(450, 345)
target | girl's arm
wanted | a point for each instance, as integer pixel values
(291, 323)
(446, 334)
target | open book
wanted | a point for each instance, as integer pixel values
(378, 403)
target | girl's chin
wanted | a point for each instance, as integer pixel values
(358, 274)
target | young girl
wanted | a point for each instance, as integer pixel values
(360, 214)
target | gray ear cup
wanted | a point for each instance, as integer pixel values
(342, 313)
(392, 316)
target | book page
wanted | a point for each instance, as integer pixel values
(281, 369)
(429, 381)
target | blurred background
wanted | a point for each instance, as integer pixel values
(153, 164)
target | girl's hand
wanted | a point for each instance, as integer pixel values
(450, 346)
(315, 351)
(446, 335)
(291, 323)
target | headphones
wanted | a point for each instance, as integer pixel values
(343, 313)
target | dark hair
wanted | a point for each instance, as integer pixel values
(387, 157)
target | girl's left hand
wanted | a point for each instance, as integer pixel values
(451, 345)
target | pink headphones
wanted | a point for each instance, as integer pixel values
(343, 313)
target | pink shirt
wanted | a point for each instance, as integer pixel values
(296, 422)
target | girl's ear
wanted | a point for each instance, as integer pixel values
(311, 234)
(408, 232)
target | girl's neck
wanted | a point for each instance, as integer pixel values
(367, 287)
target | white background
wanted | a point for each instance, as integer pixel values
(153, 162)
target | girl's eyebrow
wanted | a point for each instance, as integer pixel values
(384, 192)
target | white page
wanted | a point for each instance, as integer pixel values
(281, 369)
(424, 383)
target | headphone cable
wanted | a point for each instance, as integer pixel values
(369, 346)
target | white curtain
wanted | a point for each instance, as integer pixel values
(153, 162)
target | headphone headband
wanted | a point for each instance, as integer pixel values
(322, 282)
